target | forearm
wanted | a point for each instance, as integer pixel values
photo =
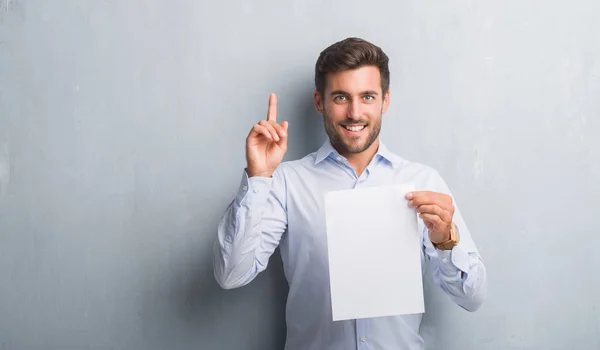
(462, 275)
(248, 233)
(235, 250)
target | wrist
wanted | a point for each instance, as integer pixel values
(252, 173)
(451, 241)
(440, 237)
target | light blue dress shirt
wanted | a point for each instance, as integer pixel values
(288, 210)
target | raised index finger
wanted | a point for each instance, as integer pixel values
(272, 110)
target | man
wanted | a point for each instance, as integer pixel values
(282, 204)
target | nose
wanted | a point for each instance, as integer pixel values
(354, 110)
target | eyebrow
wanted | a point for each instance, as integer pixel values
(341, 92)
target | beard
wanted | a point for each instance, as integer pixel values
(351, 144)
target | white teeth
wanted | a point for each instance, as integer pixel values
(355, 127)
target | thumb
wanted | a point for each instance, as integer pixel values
(283, 138)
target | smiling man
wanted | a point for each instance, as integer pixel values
(282, 204)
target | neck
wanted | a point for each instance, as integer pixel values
(360, 161)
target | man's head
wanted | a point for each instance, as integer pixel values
(352, 92)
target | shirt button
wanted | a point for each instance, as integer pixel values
(339, 158)
(244, 188)
(363, 339)
(255, 190)
(444, 260)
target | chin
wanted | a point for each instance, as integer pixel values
(355, 147)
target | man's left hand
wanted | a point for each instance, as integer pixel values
(436, 210)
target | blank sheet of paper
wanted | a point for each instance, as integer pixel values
(374, 253)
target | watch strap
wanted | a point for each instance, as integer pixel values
(451, 242)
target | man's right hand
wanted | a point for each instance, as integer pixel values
(267, 143)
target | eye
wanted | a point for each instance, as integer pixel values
(339, 98)
(369, 97)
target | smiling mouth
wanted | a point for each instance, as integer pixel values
(354, 128)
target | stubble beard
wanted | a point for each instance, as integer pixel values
(340, 143)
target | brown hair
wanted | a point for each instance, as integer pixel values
(351, 53)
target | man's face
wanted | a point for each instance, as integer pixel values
(352, 106)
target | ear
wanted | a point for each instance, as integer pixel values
(386, 102)
(318, 102)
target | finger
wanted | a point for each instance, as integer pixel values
(414, 194)
(280, 133)
(431, 198)
(419, 199)
(432, 220)
(278, 128)
(435, 210)
(430, 209)
(260, 130)
(428, 224)
(271, 129)
(283, 132)
(272, 110)
(442, 198)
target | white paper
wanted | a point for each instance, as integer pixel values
(374, 251)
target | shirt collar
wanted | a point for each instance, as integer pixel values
(383, 152)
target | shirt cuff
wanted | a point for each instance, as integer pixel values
(255, 188)
(450, 261)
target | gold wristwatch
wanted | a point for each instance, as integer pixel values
(452, 242)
